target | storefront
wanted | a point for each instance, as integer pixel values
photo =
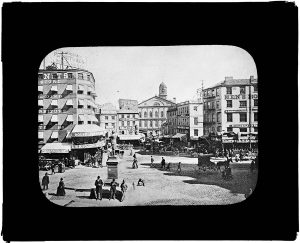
(129, 139)
(86, 141)
(56, 150)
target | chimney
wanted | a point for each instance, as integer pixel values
(251, 78)
(174, 100)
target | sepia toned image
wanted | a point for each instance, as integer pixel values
(146, 126)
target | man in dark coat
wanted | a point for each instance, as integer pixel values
(113, 189)
(163, 163)
(99, 184)
(123, 189)
(45, 181)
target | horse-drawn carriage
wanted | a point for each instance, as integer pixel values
(204, 162)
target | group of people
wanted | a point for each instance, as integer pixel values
(61, 186)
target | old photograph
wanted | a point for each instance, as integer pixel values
(148, 125)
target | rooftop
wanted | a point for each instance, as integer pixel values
(229, 81)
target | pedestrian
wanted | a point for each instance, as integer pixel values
(141, 182)
(134, 156)
(98, 184)
(134, 164)
(61, 188)
(168, 167)
(45, 181)
(113, 189)
(123, 189)
(133, 185)
(179, 167)
(252, 166)
(52, 168)
(163, 163)
(152, 160)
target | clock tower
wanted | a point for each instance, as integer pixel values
(163, 91)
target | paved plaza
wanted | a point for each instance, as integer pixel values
(162, 187)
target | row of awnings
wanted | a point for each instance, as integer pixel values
(69, 118)
(54, 134)
(69, 102)
(69, 87)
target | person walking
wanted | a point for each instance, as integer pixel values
(152, 160)
(123, 189)
(113, 189)
(98, 184)
(53, 168)
(45, 181)
(163, 163)
(179, 168)
(61, 188)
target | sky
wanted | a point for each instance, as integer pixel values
(136, 72)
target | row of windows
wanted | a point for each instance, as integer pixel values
(128, 116)
(183, 110)
(242, 129)
(129, 123)
(243, 103)
(112, 117)
(243, 117)
(150, 123)
(216, 92)
(151, 114)
(61, 75)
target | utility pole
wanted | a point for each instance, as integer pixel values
(62, 59)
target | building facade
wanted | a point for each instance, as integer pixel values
(108, 118)
(65, 98)
(128, 122)
(153, 112)
(232, 106)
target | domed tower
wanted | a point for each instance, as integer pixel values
(163, 90)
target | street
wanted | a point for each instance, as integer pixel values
(162, 187)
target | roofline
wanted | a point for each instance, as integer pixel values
(155, 96)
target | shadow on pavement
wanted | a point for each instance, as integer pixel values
(241, 182)
(105, 195)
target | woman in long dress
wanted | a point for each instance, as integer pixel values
(61, 188)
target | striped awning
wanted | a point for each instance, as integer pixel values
(70, 118)
(54, 103)
(54, 135)
(69, 102)
(54, 118)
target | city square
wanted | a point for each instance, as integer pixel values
(105, 133)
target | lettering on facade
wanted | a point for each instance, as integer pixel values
(235, 111)
(83, 146)
(238, 97)
(243, 125)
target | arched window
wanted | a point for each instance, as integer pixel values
(150, 123)
(140, 114)
(156, 123)
(145, 123)
(150, 114)
(156, 113)
(162, 114)
(145, 114)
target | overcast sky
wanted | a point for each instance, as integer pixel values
(136, 72)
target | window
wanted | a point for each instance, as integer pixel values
(242, 90)
(113, 117)
(150, 123)
(161, 114)
(140, 123)
(244, 129)
(219, 129)
(195, 108)
(217, 92)
(255, 116)
(218, 104)
(123, 123)
(195, 132)
(70, 75)
(229, 103)
(145, 124)
(145, 114)
(213, 105)
(150, 114)
(89, 122)
(113, 125)
(219, 117)
(133, 123)
(88, 77)
(255, 129)
(128, 123)
(228, 90)
(195, 120)
(256, 102)
(243, 103)
(229, 117)
(243, 117)
(106, 117)
(156, 123)
(213, 117)
(80, 122)
(122, 116)
(80, 75)
(255, 88)
(41, 76)
(156, 113)
(229, 129)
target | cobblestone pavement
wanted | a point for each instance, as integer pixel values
(161, 187)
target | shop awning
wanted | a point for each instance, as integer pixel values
(54, 118)
(69, 87)
(54, 88)
(40, 88)
(41, 118)
(69, 102)
(41, 102)
(70, 118)
(41, 135)
(179, 135)
(93, 118)
(80, 87)
(54, 103)
(81, 117)
(54, 135)
(129, 137)
(87, 130)
(81, 102)
(50, 148)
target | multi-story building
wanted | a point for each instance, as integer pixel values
(232, 106)
(66, 99)
(153, 112)
(186, 118)
(128, 122)
(108, 118)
